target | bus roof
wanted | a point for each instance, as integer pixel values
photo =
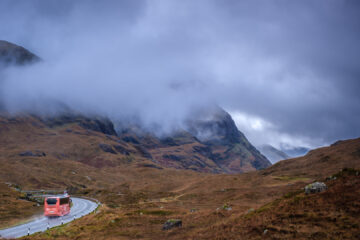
(57, 196)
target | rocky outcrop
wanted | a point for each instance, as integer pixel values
(120, 149)
(171, 223)
(35, 153)
(96, 123)
(210, 142)
(315, 187)
(107, 148)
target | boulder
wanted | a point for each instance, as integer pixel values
(35, 153)
(315, 187)
(171, 223)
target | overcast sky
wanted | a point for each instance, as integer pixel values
(287, 71)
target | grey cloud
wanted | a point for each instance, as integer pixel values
(292, 63)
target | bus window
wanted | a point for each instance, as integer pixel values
(51, 201)
(64, 201)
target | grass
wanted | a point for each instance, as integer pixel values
(126, 191)
(154, 212)
(291, 178)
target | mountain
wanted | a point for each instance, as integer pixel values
(322, 161)
(231, 149)
(265, 204)
(210, 143)
(143, 180)
(13, 54)
(273, 154)
(294, 151)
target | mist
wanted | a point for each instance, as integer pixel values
(291, 66)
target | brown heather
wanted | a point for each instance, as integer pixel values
(138, 199)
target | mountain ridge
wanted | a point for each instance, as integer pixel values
(272, 153)
(224, 150)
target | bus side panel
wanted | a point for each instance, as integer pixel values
(65, 208)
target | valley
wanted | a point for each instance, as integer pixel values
(221, 120)
(140, 194)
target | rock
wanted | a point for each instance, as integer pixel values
(168, 141)
(35, 153)
(145, 153)
(171, 223)
(121, 149)
(315, 187)
(106, 148)
(174, 157)
(97, 124)
(103, 125)
(130, 139)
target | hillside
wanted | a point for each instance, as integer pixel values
(203, 174)
(321, 162)
(259, 201)
(333, 214)
(13, 209)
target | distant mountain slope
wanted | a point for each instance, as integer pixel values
(13, 54)
(294, 151)
(273, 154)
(322, 161)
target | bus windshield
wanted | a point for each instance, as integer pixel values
(51, 201)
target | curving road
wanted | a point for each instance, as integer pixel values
(80, 208)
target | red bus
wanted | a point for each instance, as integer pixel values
(57, 205)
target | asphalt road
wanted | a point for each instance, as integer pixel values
(81, 207)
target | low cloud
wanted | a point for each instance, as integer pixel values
(261, 132)
(289, 68)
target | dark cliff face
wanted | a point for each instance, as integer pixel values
(211, 142)
(14, 54)
(96, 123)
(231, 149)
